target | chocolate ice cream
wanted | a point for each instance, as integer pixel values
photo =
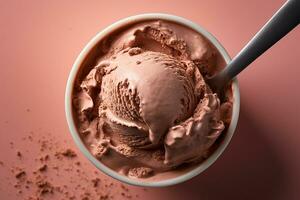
(144, 107)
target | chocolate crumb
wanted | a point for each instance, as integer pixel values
(104, 197)
(43, 168)
(124, 188)
(71, 197)
(44, 187)
(19, 154)
(11, 144)
(44, 145)
(95, 182)
(20, 174)
(77, 163)
(44, 158)
(66, 153)
(85, 196)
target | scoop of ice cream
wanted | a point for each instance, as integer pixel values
(145, 107)
(149, 90)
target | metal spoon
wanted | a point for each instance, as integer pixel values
(282, 22)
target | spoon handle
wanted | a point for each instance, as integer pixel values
(282, 22)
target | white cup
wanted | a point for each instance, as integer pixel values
(85, 54)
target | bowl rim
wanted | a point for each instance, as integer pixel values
(84, 53)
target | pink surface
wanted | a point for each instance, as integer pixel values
(40, 41)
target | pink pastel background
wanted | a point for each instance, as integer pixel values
(39, 41)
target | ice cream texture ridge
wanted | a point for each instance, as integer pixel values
(143, 107)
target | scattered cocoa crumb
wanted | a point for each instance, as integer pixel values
(43, 168)
(44, 158)
(19, 154)
(69, 153)
(42, 183)
(104, 197)
(71, 197)
(95, 182)
(86, 196)
(77, 163)
(11, 144)
(20, 174)
(43, 146)
(44, 187)
(30, 138)
(66, 153)
(124, 188)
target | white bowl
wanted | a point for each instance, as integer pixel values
(85, 52)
